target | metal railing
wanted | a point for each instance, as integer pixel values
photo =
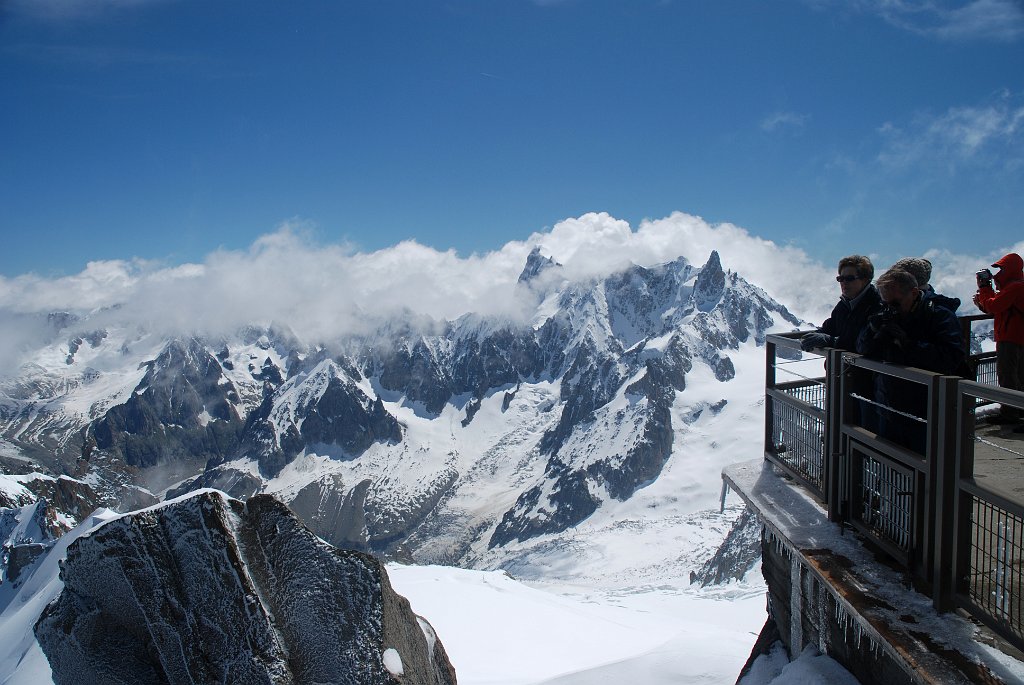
(987, 570)
(795, 430)
(929, 482)
(983, 364)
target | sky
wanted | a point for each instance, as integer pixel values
(170, 131)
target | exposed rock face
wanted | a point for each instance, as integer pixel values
(334, 512)
(72, 498)
(26, 533)
(322, 407)
(183, 406)
(213, 590)
(738, 553)
(235, 483)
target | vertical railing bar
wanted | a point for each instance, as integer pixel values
(989, 529)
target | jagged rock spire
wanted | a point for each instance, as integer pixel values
(536, 265)
(710, 283)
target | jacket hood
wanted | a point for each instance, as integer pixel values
(1012, 266)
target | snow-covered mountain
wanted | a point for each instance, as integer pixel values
(439, 441)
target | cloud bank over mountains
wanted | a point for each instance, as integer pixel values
(323, 291)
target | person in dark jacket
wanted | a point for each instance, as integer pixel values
(921, 269)
(1007, 307)
(858, 301)
(912, 331)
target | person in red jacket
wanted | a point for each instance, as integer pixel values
(1007, 306)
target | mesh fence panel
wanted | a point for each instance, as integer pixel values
(799, 439)
(986, 372)
(886, 501)
(813, 394)
(995, 577)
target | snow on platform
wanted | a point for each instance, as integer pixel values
(874, 600)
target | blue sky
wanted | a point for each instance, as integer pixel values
(167, 129)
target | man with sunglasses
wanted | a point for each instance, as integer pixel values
(858, 300)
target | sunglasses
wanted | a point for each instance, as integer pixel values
(847, 279)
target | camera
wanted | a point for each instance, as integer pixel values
(883, 318)
(984, 278)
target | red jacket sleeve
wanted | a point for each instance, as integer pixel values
(991, 302)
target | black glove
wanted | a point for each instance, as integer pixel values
(813, 341)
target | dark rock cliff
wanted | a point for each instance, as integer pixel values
(183, 406)
(210, 589)
(738, 553)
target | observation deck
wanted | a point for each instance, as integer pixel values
(901, 559)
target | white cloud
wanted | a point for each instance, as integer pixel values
(953, 274)
(62, 10)
(325, 291)
(987, 134)
(101, 284)
(980, 19)
(787, 120)
(999, 20)
(322, 291)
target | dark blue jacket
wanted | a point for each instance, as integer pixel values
(932, 342)
(935, 342)
(846, 321)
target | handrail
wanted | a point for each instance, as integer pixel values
(935, 493)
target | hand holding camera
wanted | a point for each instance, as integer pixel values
(887, 329)
(895, 335)
(984, 278)
(879, 321)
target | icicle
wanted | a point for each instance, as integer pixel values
(796, 628)
(823, 621)
(842, 618)
(725, 491)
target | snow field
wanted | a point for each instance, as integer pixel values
(499, 631)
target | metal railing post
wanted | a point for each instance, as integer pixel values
(943, 473)
(832, 447)
(925, 530)
(769, 384)
(964, 469)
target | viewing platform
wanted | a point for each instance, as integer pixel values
(903, 563)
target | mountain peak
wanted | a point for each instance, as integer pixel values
(710, 283)
(714, 263)
(536, 265)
